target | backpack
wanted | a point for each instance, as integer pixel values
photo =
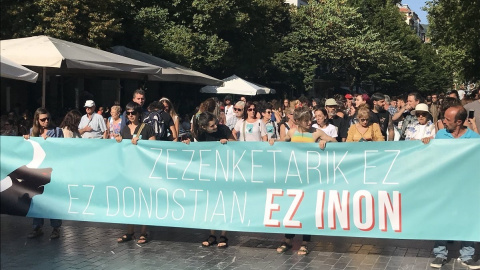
(156, 121)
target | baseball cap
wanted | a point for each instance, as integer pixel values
(89, 103)
(348, 96)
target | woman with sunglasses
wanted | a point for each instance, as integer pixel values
(423, 128)
(43, 127)
(135, 130)
(207, 129)
(364, 130)
(250, 128)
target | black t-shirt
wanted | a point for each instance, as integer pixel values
(221, 133)
(382, 118)
(146, 133)
(342, 126)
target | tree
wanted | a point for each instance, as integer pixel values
(454, 33)
(87, 22)
(333, 37)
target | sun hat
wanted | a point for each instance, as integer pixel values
(421, 107)
(89, 103)
(331, 102)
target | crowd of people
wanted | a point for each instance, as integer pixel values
(342, 118)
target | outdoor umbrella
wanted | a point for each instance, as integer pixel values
(12, 70)
(238, 86)
(171, 72)
(62, 57)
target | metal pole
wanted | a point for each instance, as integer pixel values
(44, 85)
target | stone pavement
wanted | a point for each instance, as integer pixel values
(87, 245)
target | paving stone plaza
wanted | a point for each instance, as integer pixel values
(87, 245)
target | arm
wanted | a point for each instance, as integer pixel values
(234, 134)
(288, 136)
(391, 131)
(399, 113)
(283, 134)
(174, 133)
(177, 127)
(107, 131)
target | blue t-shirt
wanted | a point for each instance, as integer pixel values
(443, 134)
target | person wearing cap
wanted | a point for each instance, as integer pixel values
(92, 125)
(423, 128)
(331, 106)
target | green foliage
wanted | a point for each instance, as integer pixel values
(454, 30)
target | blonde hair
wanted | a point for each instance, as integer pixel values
(363, 111)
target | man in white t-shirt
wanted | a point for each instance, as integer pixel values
(92, 125)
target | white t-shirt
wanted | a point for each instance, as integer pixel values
(253, 131)
(330, 130)
(229, 116)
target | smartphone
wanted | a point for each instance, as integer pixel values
(470, 114)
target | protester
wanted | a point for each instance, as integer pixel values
(70, 124)
(9, 128)
(250, 128)
(168, 108)
(43, 127)
(139, 98)
(266, 110)
(454, 119)
(404, 112)
(331, 106)
(423, 128)
(114, 122)
(208, 130)
(287, 124)
(303, 133)
(382, 117)
(475, 106)
(92, 124)
(161, 122)
(321, 118)
(135, 130)
(364, 130)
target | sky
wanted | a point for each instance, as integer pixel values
(416, 6)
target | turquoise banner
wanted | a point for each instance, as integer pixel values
(403, 190)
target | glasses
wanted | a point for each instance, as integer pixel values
(268, 112)
(363, 120)
(251, 109)
(131, 113)
(44, 119)
(237, 109)
(424, 114)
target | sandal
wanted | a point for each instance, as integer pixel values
(284, 247)
(303, 250)
(142, 239)
(125, 238)
(211, 240)
(223, 243)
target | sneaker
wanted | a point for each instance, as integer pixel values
(55, 233)
(472, 264)
(35, 233)
(438, 262)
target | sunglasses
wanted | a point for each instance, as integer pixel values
(250, 109)
(131, 113)
(237, 109)
(44, 119)
(421, 114)
(268, 112)
(363, 120)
